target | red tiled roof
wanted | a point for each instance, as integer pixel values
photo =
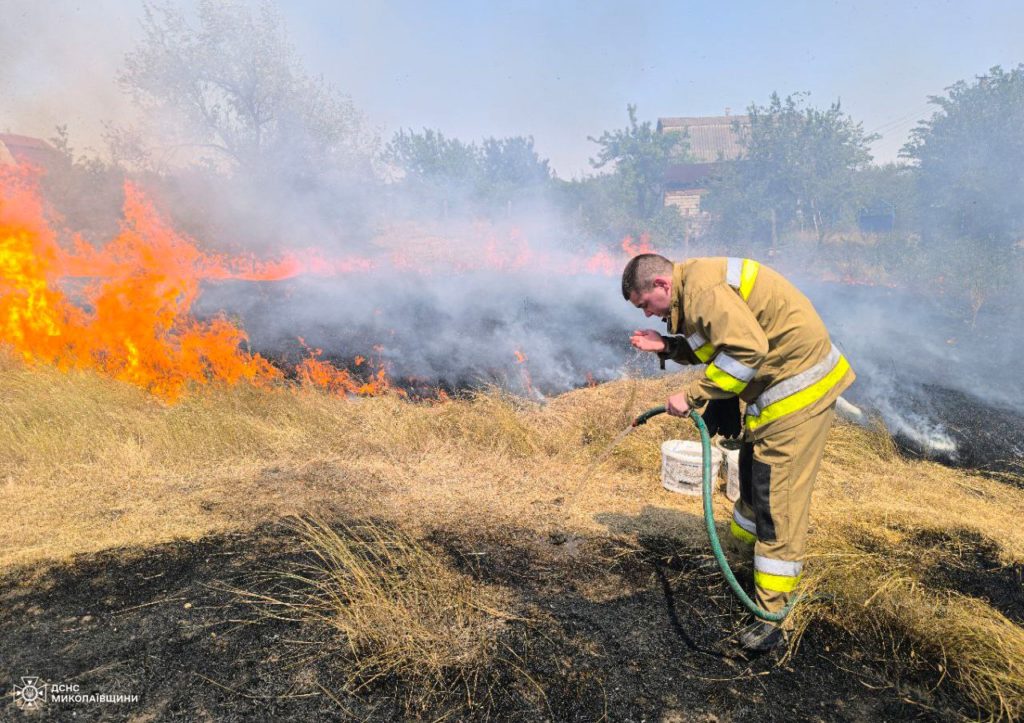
(711, 138)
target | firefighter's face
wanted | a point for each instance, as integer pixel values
(656, 301)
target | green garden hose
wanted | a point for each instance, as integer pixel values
(709, 520)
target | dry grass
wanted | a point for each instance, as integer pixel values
(394, 609)
(884, 529)
(91, 464)
(95, 464)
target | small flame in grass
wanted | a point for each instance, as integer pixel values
(524, 373)
(318, 373)
(635, 249)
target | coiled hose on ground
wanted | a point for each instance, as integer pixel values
(709, 520)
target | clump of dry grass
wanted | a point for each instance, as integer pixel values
(395, 609)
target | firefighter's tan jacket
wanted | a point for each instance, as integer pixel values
(760, 338)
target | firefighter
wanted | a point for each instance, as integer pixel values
(764, 343)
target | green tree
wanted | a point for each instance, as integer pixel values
(639, 156)
(467, 176)
(430, 157)
(798, 171)
(230, 88)
(512, 170)
(888, 190)
(968, 159)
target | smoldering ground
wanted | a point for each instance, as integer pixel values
(940, 380)
(534, 332)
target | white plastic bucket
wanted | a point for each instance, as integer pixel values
(682, 466)
(731, 457)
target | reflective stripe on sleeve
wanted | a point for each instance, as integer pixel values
(729, 374)
(730, 366)
(740, 274)
(723, 379)
(702, 349)
(799, 391)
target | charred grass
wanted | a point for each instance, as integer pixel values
(409, 582)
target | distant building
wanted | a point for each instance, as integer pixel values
(714, 143)
(25, 149)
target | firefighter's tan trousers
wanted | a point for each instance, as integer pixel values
(770, 518)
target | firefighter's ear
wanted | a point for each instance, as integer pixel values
(663, 282)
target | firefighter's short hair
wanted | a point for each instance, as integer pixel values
(640, 272)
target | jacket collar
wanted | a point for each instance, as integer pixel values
(675, 322)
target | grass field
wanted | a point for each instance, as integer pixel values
(89, 464)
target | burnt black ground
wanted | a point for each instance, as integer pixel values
(989, 438)
(163, 623)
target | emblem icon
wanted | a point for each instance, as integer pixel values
(31, 694)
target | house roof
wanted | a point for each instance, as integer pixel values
(25, 149)
(711, 138)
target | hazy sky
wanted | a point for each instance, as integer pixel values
(559, 71)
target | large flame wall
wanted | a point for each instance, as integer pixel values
(125, 308)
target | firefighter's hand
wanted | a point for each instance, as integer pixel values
(677, 405)
(647, 340)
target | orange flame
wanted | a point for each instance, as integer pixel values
(644, 247)
(135, 323)
(525, 374)
(317, 373)
(130, 317)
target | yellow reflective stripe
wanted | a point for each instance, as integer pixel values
(742, 535)
(724, 380)
(776, 583)
(702, 348)
(705, 352)
(747, 277)
(798, 400)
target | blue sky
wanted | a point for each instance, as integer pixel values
(564, 70)
(559, 71)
